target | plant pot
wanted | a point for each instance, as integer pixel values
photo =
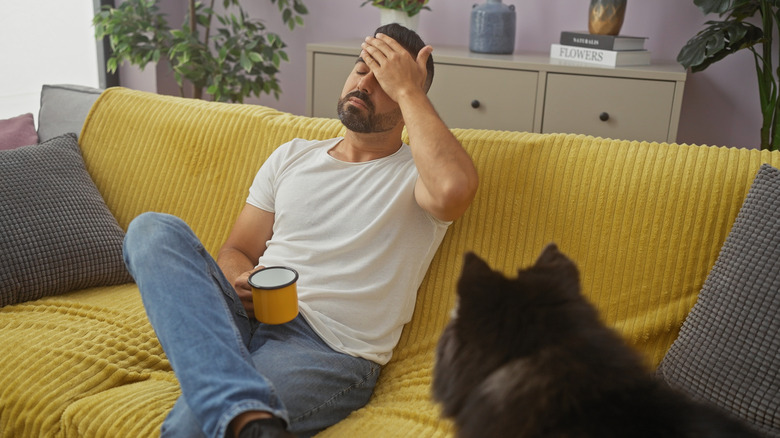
(387, 16)
(605, 17)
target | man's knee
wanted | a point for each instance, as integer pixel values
(150, 223)
(147, 232)
(151, 227)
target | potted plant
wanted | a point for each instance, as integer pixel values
(733, 33)
(238, 60)
(404, 12)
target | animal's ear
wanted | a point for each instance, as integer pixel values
(475, 274)
(473, 265)
(553, 260)
(549, 254)
(552, 256)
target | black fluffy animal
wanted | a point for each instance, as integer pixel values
(529, 357)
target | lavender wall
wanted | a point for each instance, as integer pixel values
(720, 105)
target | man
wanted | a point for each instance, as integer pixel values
(359, 217)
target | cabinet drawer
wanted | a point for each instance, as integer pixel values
(505, 99)
(330, 74)
(634, 109)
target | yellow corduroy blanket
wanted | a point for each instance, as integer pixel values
(644, 221)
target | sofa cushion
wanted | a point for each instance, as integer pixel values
(56, 233)
(85, 364)
(64, 109)
(728, 351)
(17, 131)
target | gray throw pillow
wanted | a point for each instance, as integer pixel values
(56, 233)
(728, 351)
(64, 108)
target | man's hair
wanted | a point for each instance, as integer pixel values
(411, 42)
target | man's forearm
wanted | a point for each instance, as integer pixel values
(446, 170)
(234, 263)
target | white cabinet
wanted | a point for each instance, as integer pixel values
(525, 92)
(611, 107)
(482, 97)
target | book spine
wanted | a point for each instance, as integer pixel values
(582, 54)
(602, 42)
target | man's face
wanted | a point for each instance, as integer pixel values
(364, 107)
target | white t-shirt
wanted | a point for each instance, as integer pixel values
(356, 236)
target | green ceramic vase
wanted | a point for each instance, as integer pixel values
(606, 16)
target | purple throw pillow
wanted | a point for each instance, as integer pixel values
(17, 131)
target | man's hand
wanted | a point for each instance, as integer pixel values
(397, 72)
(244, 291)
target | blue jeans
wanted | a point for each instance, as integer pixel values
(227, 363)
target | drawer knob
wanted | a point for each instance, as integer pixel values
(604, 116)
(475, 103)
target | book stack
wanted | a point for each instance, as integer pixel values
(606, 50)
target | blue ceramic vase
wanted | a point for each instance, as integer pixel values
(492, 28)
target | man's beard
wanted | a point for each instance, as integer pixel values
(355, 120)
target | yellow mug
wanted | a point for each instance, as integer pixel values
(275, 294)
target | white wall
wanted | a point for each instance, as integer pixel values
(44, 42)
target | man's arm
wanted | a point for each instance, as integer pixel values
(448, 179)
(243, 247)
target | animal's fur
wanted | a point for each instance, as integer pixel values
(529, 357)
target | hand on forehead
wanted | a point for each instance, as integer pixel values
(381, 47)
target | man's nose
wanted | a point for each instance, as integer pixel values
(366, 83)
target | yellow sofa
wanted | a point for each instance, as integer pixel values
(644, 221)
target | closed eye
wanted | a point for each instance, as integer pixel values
(361, 68)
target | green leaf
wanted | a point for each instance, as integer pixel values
(744, 9)
(714, 6)
(246, 63)
(717, 41)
